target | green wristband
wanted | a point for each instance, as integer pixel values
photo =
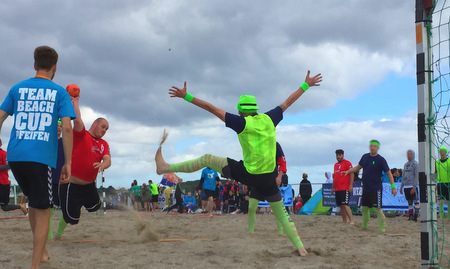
(304, 86)
(189, 97)
(393, 186)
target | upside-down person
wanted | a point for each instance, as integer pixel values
(256, 133)
(90, 156)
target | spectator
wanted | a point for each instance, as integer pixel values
(154, 195)
(178, 199)
(145, 191)
(167, 192)
(284, 180)
(189, 203)
(136, 193)
(219, 196)
(226, 195)
(298, 204)
(305, 188)
(329, 178)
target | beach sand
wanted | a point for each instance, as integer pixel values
(126, 239)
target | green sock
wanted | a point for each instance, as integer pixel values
(252, 206)
(381, 220)
(62, 225)
(207, 160)
(280, 227)
(282, 216)
(365, 216)
(441, 210)
(50, 225)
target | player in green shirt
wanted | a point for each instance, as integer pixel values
(257, 136)
(443, 180)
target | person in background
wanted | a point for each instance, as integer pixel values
(343, 186)
(305, 188)
(329, 178)
(219, 196)
(373, 165)
(409, 185)
(167, 192)
(132, 194)
(298, 204)
(178, 199)
(400, 175)
(443, 180)
(189, 203)
(145, 192)
(155, 195)
(227, 188)
(395, 174)
(5, 186)
(136, 192)
(208, 185)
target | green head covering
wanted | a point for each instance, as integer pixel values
(443, 149)
(59, 121)
(247, 104)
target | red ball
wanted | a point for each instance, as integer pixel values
(73, 90)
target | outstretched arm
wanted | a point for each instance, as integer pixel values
(182, 93)
(310, 81)
(353, 170)
(78, 124)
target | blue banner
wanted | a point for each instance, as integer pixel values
(389, 202)
(286, 194)
(329, 199)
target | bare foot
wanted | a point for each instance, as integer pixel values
(23, 208)
(57, 238)
(45, 256)
(161, 166)
(352, 223)
(302, 252)
(281, 235)
(251, 235)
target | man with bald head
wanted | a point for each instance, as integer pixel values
(90, 156)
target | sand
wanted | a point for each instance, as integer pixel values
(128, 240)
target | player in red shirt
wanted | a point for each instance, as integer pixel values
(90, 156)
(343, 186)
(5, 186)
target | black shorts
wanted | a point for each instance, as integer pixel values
(264, 183)
(55, 190)
(253, 193)
(35, 180)
(137, 199)
(4, 194)
(342, 197)
(209, 193)
(155, 198)
(409, 196)
(74, 196)
(443, 191)
(372, 199)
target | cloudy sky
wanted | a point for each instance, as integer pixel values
(125, 55)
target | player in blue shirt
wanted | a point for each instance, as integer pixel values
(373, 166)
(37, 104)
(208, 185)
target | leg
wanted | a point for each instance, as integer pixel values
(441, 209)
(343, 213)
(291, 232)
(410, 209)
(207, 160)
(252, 206)
(381, 220)
(349, 214)
(210, 205)
(365, 216)
(50, 224)
(61, 227)
(39, 220)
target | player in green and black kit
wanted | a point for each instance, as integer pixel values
(443, 180)
(256, 133)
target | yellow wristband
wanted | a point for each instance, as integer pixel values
(189, 97)
(304, 86)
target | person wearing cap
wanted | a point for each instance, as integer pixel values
(373, 165)
(443, 180)
(257, 136)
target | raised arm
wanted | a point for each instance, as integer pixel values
(182, 93)
(78, 124)
(67, 137)
(310, 82)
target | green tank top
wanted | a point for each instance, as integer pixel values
(443, 171)
(258, 142)
(154, 189)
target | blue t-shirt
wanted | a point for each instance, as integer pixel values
(237, 122)
(37, 104)
(373, 168)
(209, 179)
(56, 172)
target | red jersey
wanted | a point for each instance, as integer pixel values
(87, 150)
(4, 178)
(341, 182)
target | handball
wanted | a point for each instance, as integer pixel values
(73, 90)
